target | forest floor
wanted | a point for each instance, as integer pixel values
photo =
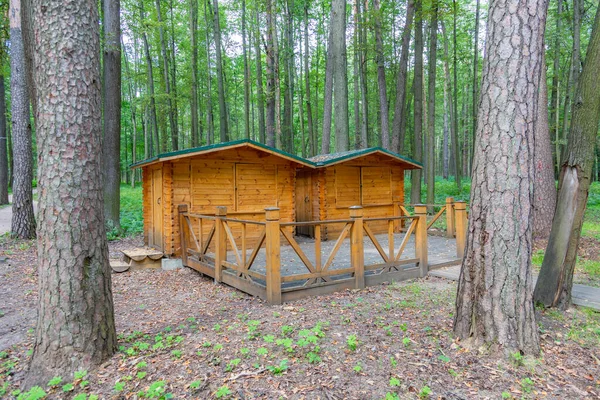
(181, 334)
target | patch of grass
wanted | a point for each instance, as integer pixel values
(131, 216)
(537, 258)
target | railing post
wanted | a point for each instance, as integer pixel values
(421, 238)
(449, 217)
(460, 208)
(273, 247)
(357, 253)
(183, 208)
(220, 242)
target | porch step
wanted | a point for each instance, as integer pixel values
(139, 258)
(119, 265)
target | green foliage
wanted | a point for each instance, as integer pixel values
(425, 392)
(35, 393)
(223, 392)
(157, 390)
(352, 342)
(119, 386)
(526, 385)
(357, 368)
(278, 369)
(54, 382)
(394, 382)
(131, 216)
(516, 359)
(195, 385)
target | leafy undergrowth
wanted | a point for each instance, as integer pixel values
(182, 336)
(131, 217)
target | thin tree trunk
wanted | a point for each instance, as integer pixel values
(75, 324)
(398, 134)
(175, 139)
(415, 176)
(288, 93)
(309, 116)
(153, 119)
(555, 283)
(494, 300)
(356, 79)
(432, 64)
(270, 95)
(246, 75)
(23, 220)
(340, 75)
(362, 70)
(133, 107)
(455, 144)
(111, 143)
(328, 95)
(475, 78)
(556, 69)
(544, 185)
(194, 89)
(449, 116)
(260, 96)
(3, 146)
(277, 82)
(381, 84)
(223, 126)
(210, 121)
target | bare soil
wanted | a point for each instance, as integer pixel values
(205, 340)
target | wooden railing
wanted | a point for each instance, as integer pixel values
(210, 246)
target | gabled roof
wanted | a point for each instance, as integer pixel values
(322, 160)
(219, 147)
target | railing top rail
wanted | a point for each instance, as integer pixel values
(305, 223)
(391, 218)
(244, 221)
(430, 205)
(202, 216)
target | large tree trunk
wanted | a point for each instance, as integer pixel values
(398, 134)
(544, 185)
(555, 282)
(23, 220)
(75, 327)
(3, 146)
(494, 299)
(195, 136)
(223, 126)
(111, 143)
(432, 66)
(259, 84)
(340, 75)
(381, 84)
(415, 175)
(270, 121)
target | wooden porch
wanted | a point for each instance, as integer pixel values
(265, 259)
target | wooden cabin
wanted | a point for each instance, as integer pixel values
(372, 178)
(247, 177)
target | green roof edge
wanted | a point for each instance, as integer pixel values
(273, 149)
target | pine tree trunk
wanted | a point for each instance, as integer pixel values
(398, 134)
(3, 146)
(210, 121)
(277, 82)
(340, 75)
(175, 139)
(449, 115)
(544, 186)
(23, 219)
(430, 145)
(475, 79)
(223, 126)
(328, 95)
(556, 67)
(415, 176)
(455, 144)
(75, 326)
(133, 107)
(111, 143)
(196, 140)
(355, 81)
(555, 283)
(381, 84)
(494, 301)
(270, 95)
(362, 70)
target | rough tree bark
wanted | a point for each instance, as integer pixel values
(111, 143)
(196, 140)
(328, 95)
(544, 185)
(3, 146)
(432, 69)
(494, 300)
(75, 325)
(210, 121)
(555, 282)
(455, 145)
(449, 116)
(556, 68)
(23, 219)
(154, 147)
(415, 175)
(381, 84)
(246, 76)
(475, 79)
(398, 134)
(309, 116)
(270, 95)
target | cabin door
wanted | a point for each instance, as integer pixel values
(156, 234)
(304, 202)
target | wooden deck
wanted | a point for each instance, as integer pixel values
(278, 266)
